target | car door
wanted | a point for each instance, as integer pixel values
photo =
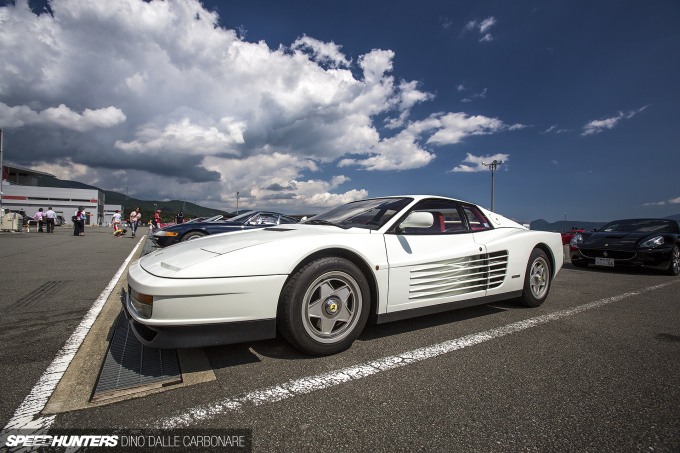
(434, 265)
(501, 249)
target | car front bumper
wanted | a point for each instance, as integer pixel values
(165, 241)
(190, 313)
(658, 259)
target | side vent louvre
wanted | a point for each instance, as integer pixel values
(459, 276)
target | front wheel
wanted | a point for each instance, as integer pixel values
(192, 235)
(674, 266)
(537, 279)
(324, 307)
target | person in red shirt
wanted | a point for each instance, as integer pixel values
(157, 219)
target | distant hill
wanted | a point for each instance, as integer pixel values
(544, 225)
(673, 217)
(169, 208)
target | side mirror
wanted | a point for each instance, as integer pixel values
(418, 220)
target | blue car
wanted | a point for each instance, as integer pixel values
(192, 230)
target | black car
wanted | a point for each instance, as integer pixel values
(173, 234)
(649, 243)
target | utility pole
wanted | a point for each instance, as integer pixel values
(565, 222)
(237, 203)
(493, 166)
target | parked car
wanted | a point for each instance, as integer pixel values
(194, 229)
(649, 243)
(318, 282)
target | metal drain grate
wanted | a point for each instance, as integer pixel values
(131, 367)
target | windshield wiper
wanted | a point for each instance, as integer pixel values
(324, 222)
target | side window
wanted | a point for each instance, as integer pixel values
(268, 219)
(476, 219)
(287, 220)
(446, 217)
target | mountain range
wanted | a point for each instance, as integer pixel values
(168, 208)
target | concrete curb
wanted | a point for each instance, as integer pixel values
(75, 388)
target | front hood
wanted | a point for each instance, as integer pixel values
(170, 260)
(624, 241)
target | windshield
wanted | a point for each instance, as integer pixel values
(241, 218)
(370, 214)
(639, 226)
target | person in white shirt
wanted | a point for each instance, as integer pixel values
(51, 217)
(134, 219)
(116, 220)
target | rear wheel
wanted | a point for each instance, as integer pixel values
(537, 279)
(324, 307)
(674, 267)
(192, 235)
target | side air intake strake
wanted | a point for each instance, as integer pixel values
(459, 276)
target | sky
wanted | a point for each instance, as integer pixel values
(304, 105)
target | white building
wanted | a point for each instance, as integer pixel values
(21, 193)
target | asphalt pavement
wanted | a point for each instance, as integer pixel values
(48, 281)
(594, 369)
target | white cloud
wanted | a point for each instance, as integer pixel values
(323, 51)
(480, 95)
(486, 24)
(483, 27)
(453, 127)
(184, 136)
(62, 116)
(597, 126)
(477, 162)
(64, 169)
(660, 203)
(674, 200)
(157, 97)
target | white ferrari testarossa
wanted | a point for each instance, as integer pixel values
(318, 282)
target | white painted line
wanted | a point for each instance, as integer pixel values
(333, 378)
(24, 416)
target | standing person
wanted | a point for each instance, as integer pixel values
(79, 222)
(115, 219)
(39, 218)
(134, 219)
(50, 218)
(157, 219)
(179, 218)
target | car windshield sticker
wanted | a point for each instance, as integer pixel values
(486, 224)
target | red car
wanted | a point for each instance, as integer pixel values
(566, 237)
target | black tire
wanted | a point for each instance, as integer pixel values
(580, 263)
(192, 235)
(324, 306)
(674, 266)
(536, 284)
